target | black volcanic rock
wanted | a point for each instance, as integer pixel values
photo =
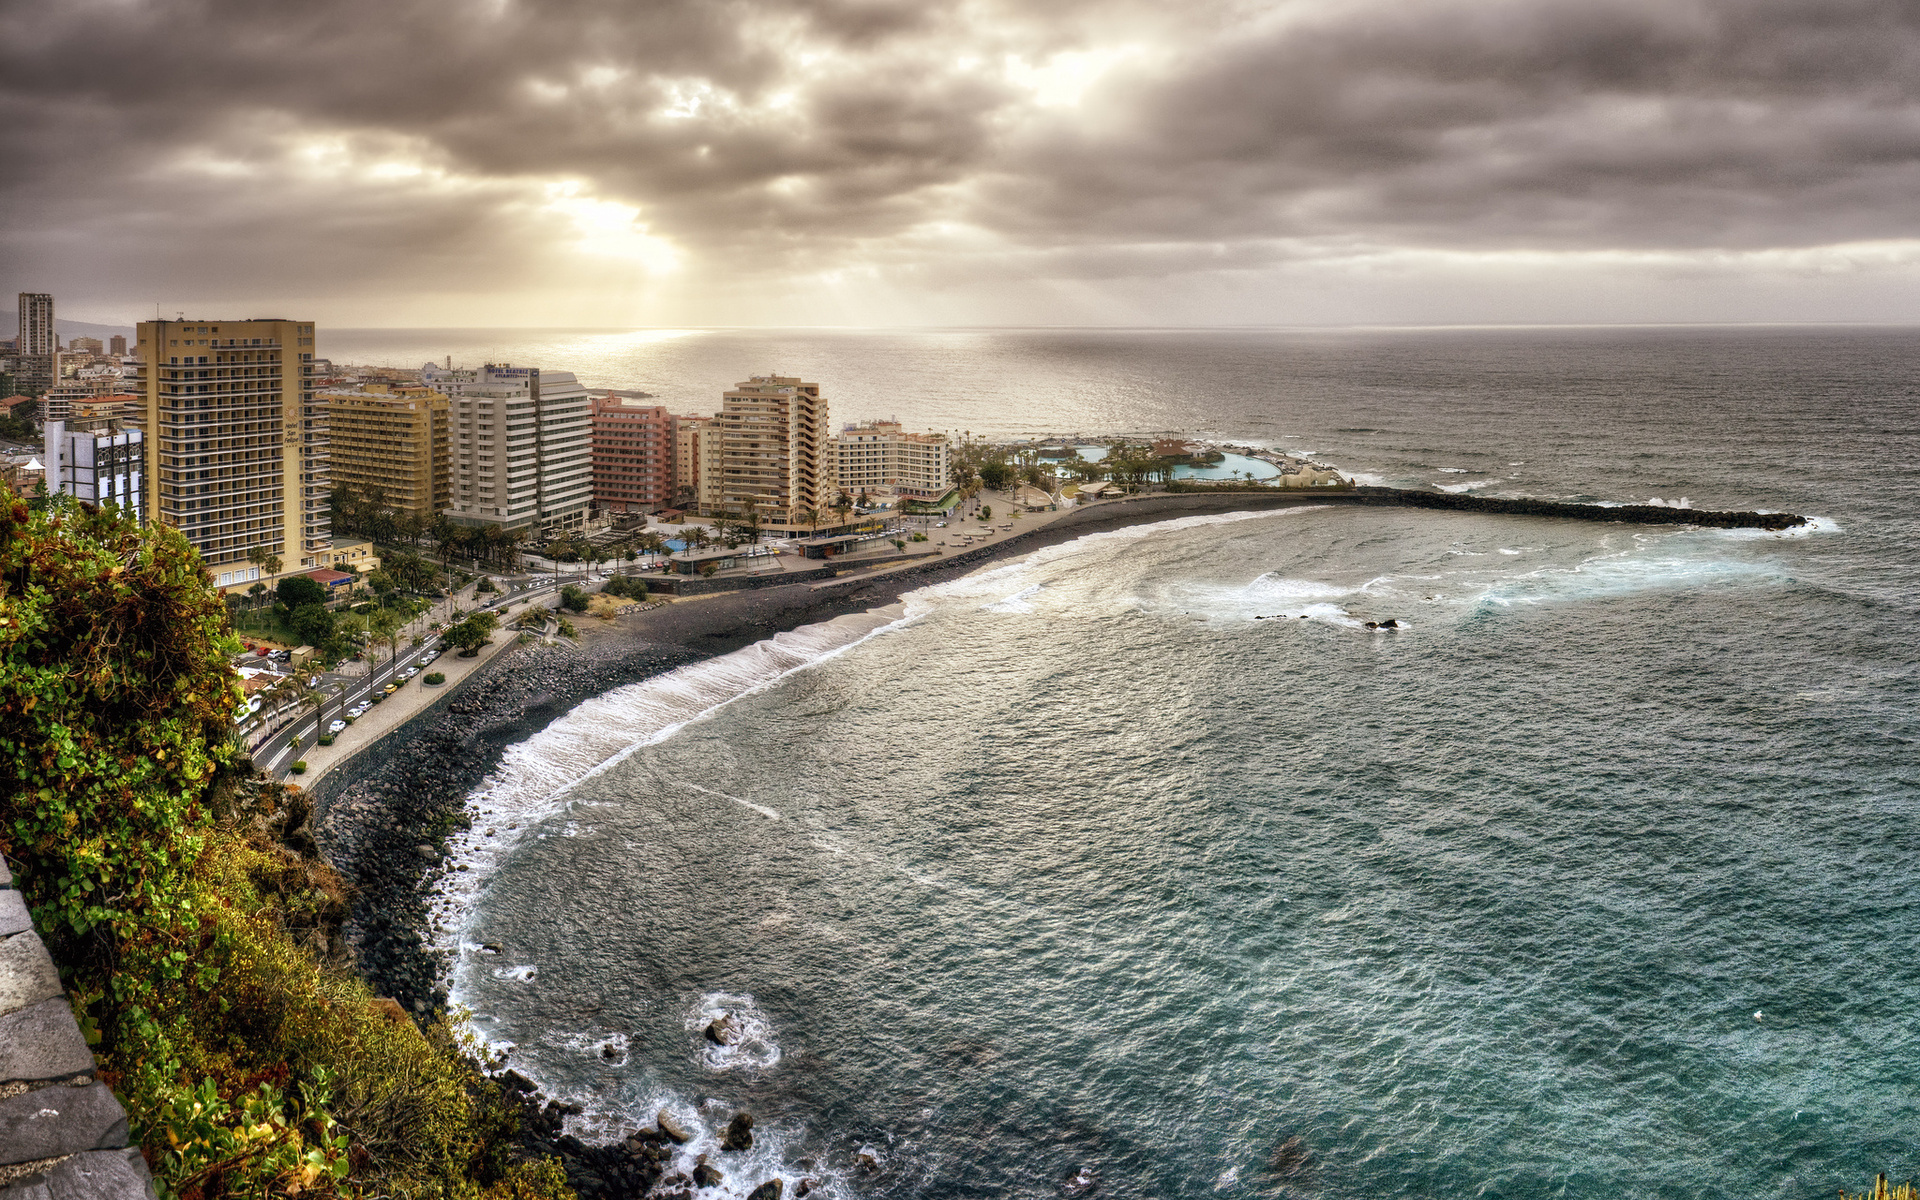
(739, 1133)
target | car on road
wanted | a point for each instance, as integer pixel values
(337, 726)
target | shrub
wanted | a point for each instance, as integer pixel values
(434, 678)
(299, 768)
(326, 739)
(567, 630)
(485, 587)
(573, 598)
(190, 943)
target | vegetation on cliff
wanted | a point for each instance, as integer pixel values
(196, 930)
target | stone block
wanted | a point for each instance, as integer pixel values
(51, 1121)
(96, 1175)
(14, 917)
(27, 974)
(6, 874)
(42, 1041)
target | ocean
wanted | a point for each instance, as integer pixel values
(1139, 867)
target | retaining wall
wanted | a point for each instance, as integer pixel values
(63, 1135)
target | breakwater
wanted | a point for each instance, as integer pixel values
(1633, 514)
(1636, 514)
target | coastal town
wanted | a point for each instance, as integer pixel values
(352, 517)
(373, 580)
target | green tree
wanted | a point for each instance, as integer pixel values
(297, 590)
(996, 475)
(475, 631)
(313, 625)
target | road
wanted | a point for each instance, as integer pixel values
(273, 754)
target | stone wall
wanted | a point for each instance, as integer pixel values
(63, 1136)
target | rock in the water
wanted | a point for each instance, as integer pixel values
(866, 1162)
(739, 1133)
(704, 1175)
(770, 1190)
(805, 1187)
(724, 1031)
(674, 1130)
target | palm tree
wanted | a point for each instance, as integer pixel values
(316, 699)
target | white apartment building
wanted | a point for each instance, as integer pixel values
(522, 445)
(98, 468)
(880, 456)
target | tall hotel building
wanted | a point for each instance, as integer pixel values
(767, 451)
(236, 444)
(881, 456)
(632, 455)
(36, 354)
(522, 446)
(689, 437)
(393, 441)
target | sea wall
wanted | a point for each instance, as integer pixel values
(63, 1135)
(1633, 514)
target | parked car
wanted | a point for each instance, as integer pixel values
(390, 689)
(337, 726)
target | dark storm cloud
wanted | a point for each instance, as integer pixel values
(141, 137)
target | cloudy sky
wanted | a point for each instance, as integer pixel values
(809, 162)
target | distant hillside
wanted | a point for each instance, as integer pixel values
(10, 325)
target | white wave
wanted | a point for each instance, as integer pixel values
(1657, 502)
(1467, 486)
(992, 583)
(1367, 478)
(756, 1049)
(1016, 603)
(1508, 550)
(535, 776)
(520, 974)
(1451, 470)
(1272, 588)
(1615, 575)
(759, 808)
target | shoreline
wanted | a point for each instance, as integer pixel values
(384, 814)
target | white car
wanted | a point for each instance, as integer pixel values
(337, 726)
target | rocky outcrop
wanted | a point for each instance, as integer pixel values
(739, 1133)
(63, 1136)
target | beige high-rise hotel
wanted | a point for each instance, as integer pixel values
(394, 441)
(236, 445)
(766, 451)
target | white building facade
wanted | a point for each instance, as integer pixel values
(880, 456)
(522, 446)
(98, 468)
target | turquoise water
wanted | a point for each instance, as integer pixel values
(1233, 466)
(1592, 882)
